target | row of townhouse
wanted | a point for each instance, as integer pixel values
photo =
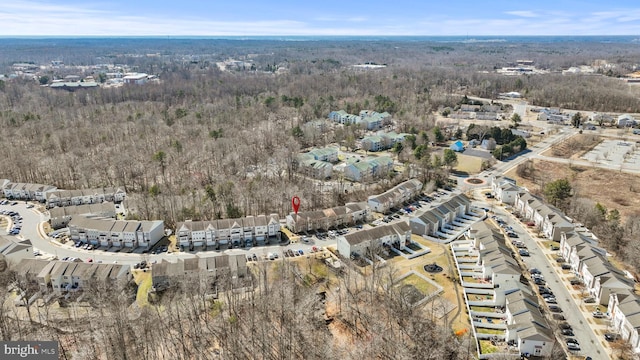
(550, 220)
(25, 191)
(486, 266)
(368, 170)
(326, 219)
(65, 276)
(228, 231)
(381, 141)
(396, 196)
(527, 328)
(435, 221)
(107, 232)
(203, 272)
(84, 196)
(371, 120)
(504, 189)
(13, 250)
(368, 243)
(589, 262)
(59, 217)
(624, 310)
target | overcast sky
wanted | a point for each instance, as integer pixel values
(327, 17)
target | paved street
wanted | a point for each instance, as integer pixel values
(31, 219)
(590, 343)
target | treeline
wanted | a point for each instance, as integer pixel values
(289, 311)
(236, 134)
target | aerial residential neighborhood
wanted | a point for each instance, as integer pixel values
(317, 194)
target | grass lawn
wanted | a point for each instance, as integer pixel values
(144, 281)
(468, 164)
(487, 348)
(423, 286)
(486, 309)
(490, 331)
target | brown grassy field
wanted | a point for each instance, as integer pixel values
(468, 164)
(574, 147)
(613, 189)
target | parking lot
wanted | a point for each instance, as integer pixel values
(615, 153)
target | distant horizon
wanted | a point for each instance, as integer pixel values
(191, 18)
(439, 38)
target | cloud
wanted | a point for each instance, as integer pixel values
(522, 13)
(33, 17)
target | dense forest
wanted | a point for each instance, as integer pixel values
(205, 143)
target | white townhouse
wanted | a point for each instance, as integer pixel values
(395, 196)
(224, 231)
(106, 232)
(433, 221)
(624, 309)
(326, 219)
(504, 189)
(84, 196)
(27, 191)
(527, 327)
(547, 218)
(367, 242)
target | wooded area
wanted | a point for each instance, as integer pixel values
(204, 143)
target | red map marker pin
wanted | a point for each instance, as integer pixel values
(295, 203)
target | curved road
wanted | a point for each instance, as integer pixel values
(32, 218)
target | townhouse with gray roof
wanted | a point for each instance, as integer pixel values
(367, 243)
(331, 218)
(107, 232)
(213, 233)
(202, 271)
(59, 217)
(435, 221)
(84, 196)
(27, 191)
(13, 250)
(550, 220)
(396, 196)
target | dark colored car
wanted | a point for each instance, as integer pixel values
(611, 336)
(565, 326)
(567, 332)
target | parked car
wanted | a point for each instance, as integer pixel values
(575, 282)
(565, 326)
(523, 252)
(534, 271)
(573, 347)
(555, 247)
(572, 341)
(566, 267)
(590, 300)
(567, 332)
(550, 300)
(598, 315)
(558, 317)
(555, 308)
(611, 337)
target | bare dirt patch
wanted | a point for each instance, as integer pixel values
(574, 147)
(613, 189)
